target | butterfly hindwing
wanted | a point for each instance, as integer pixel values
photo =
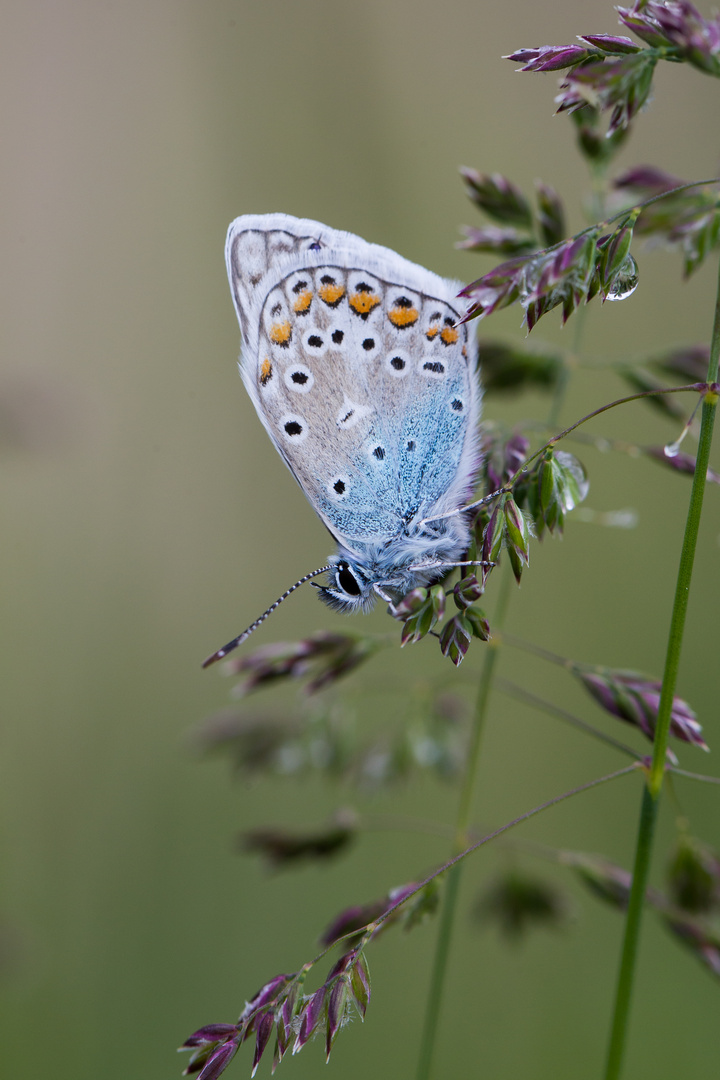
(358, 371)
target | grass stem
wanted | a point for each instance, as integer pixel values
(653, 789)
(461, 841)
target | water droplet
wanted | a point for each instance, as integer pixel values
(672, 449)
(625, 281)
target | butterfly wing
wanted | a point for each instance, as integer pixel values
(357, 370)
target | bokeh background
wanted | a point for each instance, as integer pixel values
(146, 519)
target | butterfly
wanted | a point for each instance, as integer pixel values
(365, 379)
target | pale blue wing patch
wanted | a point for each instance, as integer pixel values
(436, 430)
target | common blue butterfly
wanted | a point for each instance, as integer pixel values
(367, 385)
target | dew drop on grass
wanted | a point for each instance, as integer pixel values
(625, 281)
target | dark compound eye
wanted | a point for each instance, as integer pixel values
(347, 580)
(315, 247)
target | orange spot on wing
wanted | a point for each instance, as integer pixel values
(363, 303)
(303, 302)
(265, 371)
(332, 293)
(403, 316)
(449, 335)
(280, 333)
(432, 332)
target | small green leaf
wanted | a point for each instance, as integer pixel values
(494, 533)
(360, 983)
(427, 606)
(562, 484)
(455, 639)
(467, 591)
(478, 621)
(498, 197)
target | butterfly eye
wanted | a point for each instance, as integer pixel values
(347, 580)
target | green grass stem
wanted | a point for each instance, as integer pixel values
(653, 789)
(461, 841)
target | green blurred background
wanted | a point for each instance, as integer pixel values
(146, 519)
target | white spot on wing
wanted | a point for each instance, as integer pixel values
(289, 425)
(397, 363)
(351, 413)
(315, 341)
(299, 378)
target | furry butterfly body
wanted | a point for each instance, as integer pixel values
(368, 389)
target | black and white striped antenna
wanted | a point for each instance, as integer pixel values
(253, 626)
(463, 509)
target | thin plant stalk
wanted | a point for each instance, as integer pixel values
(461, 841)
(558, 399)
(439, 969)
(653, 788)
(520, 694)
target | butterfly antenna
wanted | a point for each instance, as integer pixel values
(463, 509)
(253, 626)
(451, 565)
